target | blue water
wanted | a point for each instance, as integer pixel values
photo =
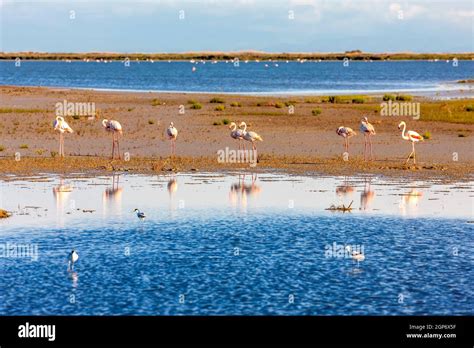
(237, 257)
(251, 77)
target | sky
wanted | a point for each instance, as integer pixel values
(236, 25)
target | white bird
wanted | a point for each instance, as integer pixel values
(236, 134)
(172, 134)
(368, 130)
(115, 128)
(62, 127)
(413, 136)
(346, 133)
(356, 255)
(250, 136)
(140, 215)
(72, 259)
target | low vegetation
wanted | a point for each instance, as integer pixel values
(196, 106)
(404, 97)
(236, 104)
(155, 102)
(217, 100)
(23, 146)
(219, 108)
(426, 135)
(2, 148)
(388, 97)
(279, 105)
(316, 111)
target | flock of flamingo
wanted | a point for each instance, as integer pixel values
(368, 130)
(240, 133)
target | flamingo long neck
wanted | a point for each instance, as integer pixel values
(104, 123)
(245, 126)
(234, 127)
(404, 136)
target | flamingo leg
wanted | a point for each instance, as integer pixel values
(371, 153)
(365, 146)
(414, 153)
(118, 149)
(411, 153)
(113, 145)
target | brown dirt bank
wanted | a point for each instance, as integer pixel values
(299, 142)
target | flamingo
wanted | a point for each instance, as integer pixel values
(172, 134)
(72, 258)
(62, 127)
(115, 128)
(250, 136)
(346, 133)
(368, 130)
(236, 134)
(413, 136)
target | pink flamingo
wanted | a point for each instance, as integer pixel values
(115, 128)
(346, 133)
(413, 136)
(62, 127)
(368, 130)
(236, 134)
(172, 134)
(250, 136)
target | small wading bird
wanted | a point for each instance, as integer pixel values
(236, 134)
(356, 255)
(413, 136)
(62, 127)
(250, 136)
(172, 134)
(346, 133)
(368, 130)
(115, 128)
(72, 259)
(140, 215)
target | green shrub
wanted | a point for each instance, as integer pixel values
(220, 108)
(192, 101)
(216, 123)
(469, 108)
(290, 102)
(358, 100)
(54, 154)
(426, 135)
(388, 97)
(23, 146)
(130, 109)
(155, 102)
(196, 106)
(279, 105)
(235, 104)
(217, 100)
(150, 121)
(2, 148)
(225, 121)
(404, 97)
(76, 117)
(316, 111)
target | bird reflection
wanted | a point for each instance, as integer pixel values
(112, 196)
(240, 191)
(74, 278)
(61, 196)
(345, 189)
(172, 186)
(409, 201)
(366, 196)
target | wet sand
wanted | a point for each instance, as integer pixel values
(297, 142)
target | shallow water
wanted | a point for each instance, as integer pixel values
(321, 78)
(229, 244)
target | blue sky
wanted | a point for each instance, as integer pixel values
(236, 25)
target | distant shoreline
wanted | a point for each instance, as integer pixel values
(247, 55)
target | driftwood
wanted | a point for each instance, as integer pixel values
(342, 207)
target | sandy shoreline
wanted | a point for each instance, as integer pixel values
(298, 141)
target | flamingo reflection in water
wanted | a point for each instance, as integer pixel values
(112, 197)
(61, 194)
(366, 196)
(240, 191)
